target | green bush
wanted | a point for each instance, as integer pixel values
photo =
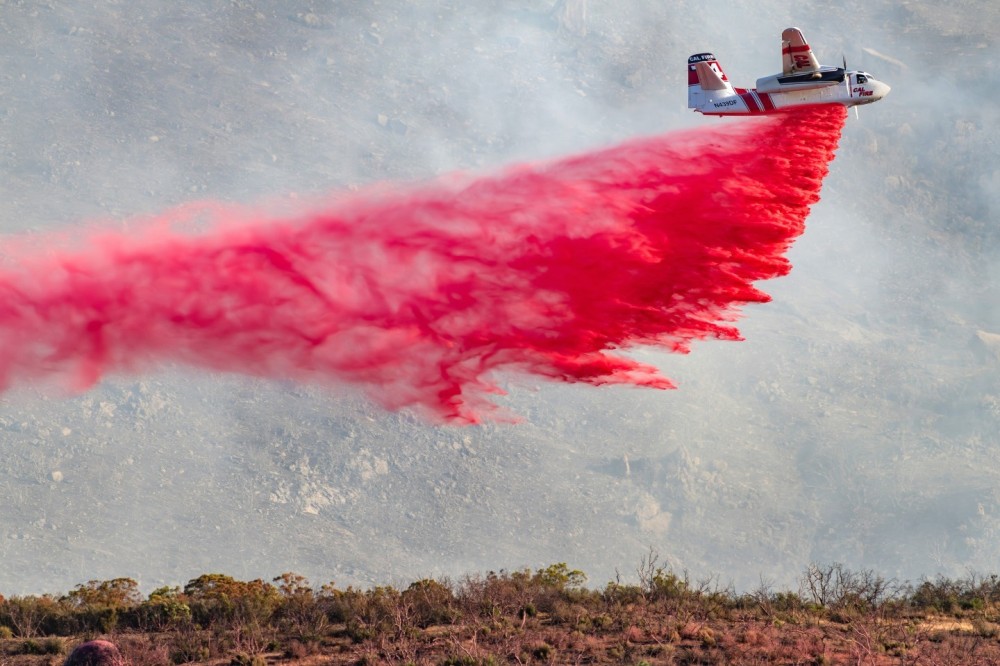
(464, 660)
(30, 646)
(51, 645)
(560, 576)
(243, 659)
(543, 652)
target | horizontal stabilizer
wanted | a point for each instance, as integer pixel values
(709, 78)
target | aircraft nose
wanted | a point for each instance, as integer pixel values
(881, 90)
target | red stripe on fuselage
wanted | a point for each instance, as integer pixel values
(765, 99)
(752, 105)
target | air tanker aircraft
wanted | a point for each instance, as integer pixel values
(802, 82)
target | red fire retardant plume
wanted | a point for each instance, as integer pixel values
(421, 294)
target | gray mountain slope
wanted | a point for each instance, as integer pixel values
(857, 423)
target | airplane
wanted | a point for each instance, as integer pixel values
(801, 82)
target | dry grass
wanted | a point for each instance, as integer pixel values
(521, 617)
(950, 625)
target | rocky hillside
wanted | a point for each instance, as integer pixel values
(857, 422)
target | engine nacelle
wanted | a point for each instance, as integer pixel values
(826, 76)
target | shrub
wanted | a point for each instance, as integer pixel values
(301, 611)
(116, 593)
(432, 603)
(217, 598)
(543, 652)
(560, 577)
(165, 608)
(6, 633)
(463, 660)
(190, 645)
(836, 586)
(381, 610)
(616, 593)
(498, 595)
(985, 629)
(30, 616)
(243, 659)
(297, 649)
(30, 646)
(338, 605)
(140, 650)
(51, 645)
(466, 660)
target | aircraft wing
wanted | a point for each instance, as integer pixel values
(796, 55)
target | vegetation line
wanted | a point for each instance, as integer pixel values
(524, 616)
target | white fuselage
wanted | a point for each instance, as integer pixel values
(771, 94)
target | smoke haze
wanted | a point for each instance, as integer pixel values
(856, 423)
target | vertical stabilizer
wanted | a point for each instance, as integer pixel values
(796, 56)
(705, 74)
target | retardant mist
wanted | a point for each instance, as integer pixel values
(421, 294)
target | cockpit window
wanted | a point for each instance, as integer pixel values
(862, 78)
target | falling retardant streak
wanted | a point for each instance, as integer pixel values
(420, 294)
